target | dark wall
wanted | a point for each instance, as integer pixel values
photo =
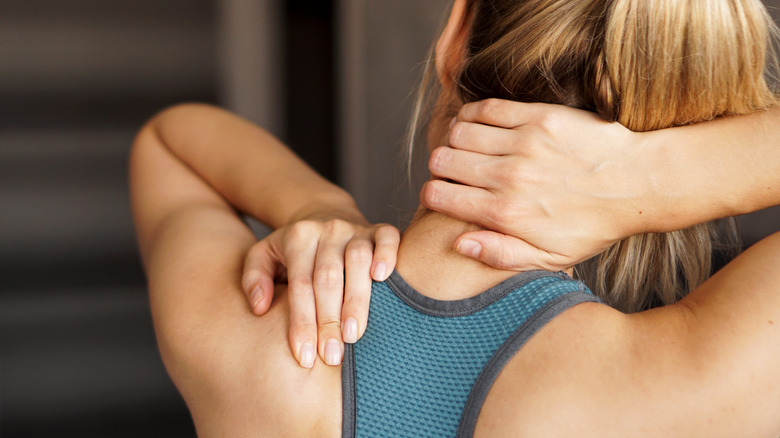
(77, 79)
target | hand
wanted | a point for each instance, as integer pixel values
(561, 184)
(327, 263)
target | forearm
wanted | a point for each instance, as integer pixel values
(250, 168)
(707, 171)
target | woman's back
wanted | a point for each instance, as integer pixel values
(258, 389)
(424, 366)
(590, 371)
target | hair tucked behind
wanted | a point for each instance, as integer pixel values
(647, 64)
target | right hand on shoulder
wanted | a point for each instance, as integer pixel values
(329, 265)
(556, 185)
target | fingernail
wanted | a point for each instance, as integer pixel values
(454, 120)
(350, 330)
(256, 296)
(380, 272)
(307, 355)
(470, 248)
(333, 352)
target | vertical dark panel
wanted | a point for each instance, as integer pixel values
(309, 84)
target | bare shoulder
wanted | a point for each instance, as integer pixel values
(238, 377)
(234, 369)
(555, 368)
(595, 372)
(703, 367)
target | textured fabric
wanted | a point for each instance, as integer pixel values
(422, 361)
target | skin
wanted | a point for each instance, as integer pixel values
(542, 177)
(675, 371)
(680, 370)
(224, 360)
(315, 220)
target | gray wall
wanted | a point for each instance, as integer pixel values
(384, 46)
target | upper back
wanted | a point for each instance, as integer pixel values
(424, 366)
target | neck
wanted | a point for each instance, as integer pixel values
(429, 263)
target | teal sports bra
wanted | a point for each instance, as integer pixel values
(424, 367)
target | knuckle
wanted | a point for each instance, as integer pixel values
(388, 240)
(487, 107)
(388, 232)
(302, 230)
(303, 330)
(329, 276)
(337, 226)
(490, 109)
(302, 325)
(509, 173)
(331, 323)
(548, 120)
(359, 253)
(300, 286)
(498, 214)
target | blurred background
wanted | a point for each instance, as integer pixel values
(333, 78)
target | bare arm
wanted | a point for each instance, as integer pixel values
(726, 167)
(704, 367)
(220, 356)
(247, 166)
(323, 234)
(563, 184)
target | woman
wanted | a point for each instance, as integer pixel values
(590, 371)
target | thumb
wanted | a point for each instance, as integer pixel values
(262, 263)
(500, 251)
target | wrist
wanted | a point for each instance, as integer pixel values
(642, 176)
(326, 206)
(675, 181)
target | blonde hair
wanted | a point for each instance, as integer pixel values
(647, 64)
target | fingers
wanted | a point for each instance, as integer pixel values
(329, 291)
(329, 267)
(386, 241)
(497, 112)
(301, 249)
(470, 204)
(470, 168)
(366, 260)
(484, 139)
(504, 252)
(260, 266)
(357, 292)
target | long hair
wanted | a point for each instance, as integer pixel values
(647, 64)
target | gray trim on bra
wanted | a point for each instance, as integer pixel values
(466, 306)
(348, 397)
(507, 350)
